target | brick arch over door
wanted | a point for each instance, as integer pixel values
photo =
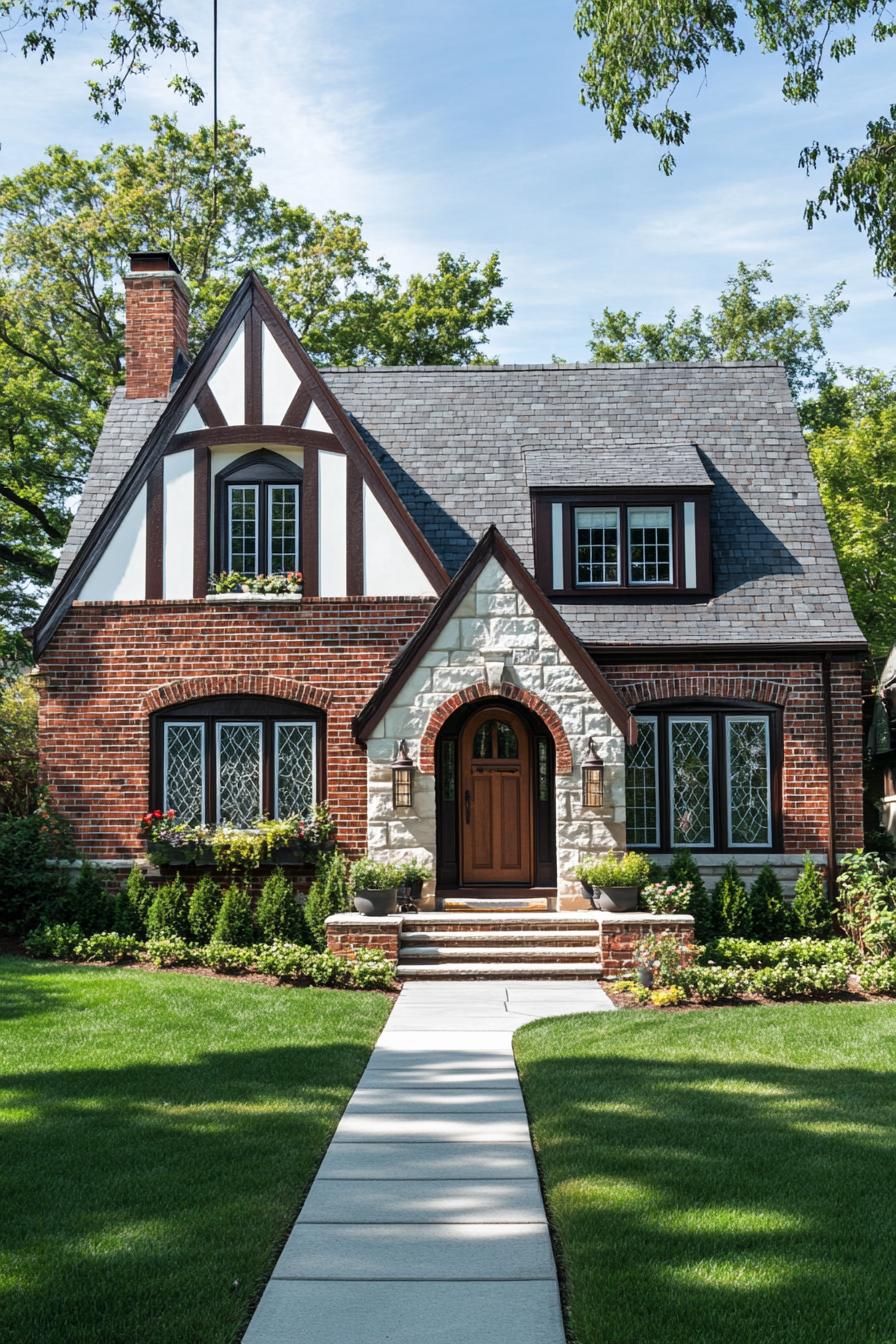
(239, 683)
(507, 691)
(636, 694)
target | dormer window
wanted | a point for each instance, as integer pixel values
(258, 515)
(646, 557)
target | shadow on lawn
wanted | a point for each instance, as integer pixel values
(29, 993)
(148, 1202)
(700, 1201)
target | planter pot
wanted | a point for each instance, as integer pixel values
(645, 976)
(615, 900)
(587, 890)
(377, 902)
(410, 891)
(291, 854)
(173, 856)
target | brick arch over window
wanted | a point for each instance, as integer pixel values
(480, 691)
(238, 683)
(757, 689)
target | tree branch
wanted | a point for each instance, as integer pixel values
(41, 571)
(35, 511)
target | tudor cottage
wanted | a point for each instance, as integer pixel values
(516, 572)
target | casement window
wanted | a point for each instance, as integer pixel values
(704, 778)
(258, 515)
(622, 544)
(230, 761)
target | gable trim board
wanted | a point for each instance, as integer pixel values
(492, 544)
(248, 307)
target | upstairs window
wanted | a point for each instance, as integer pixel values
(650, 545)
(597, 546)
(258, 515)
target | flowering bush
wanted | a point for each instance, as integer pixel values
(664, 955)
(668, 898)
(169, 950)
(233, 582)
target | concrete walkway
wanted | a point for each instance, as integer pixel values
(425, 1223)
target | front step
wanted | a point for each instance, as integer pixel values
(512, 946)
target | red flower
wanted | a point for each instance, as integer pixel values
(157, 813)
(171, 812)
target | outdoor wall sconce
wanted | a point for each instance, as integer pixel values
(592, 777)
(402, 776)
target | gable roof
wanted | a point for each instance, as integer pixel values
(639, 465)
(108, 498)
(458, 444)
(492, 544)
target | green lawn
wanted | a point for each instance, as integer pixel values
(727, 1175)
(157, 1135)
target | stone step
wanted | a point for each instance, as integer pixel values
(434, 938)
(417, 955)
(509, 924)
(501, 970)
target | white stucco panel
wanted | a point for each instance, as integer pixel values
(279, 381)
(177, 532)
(191, 421)
(314, 420)
(228, 382)
(389, 568)
(120, 573)
(331, 527)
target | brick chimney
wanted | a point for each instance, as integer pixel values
(157, 307)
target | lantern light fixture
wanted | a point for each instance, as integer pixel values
(592, 777)
(402, 776)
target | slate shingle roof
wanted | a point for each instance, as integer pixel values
(644, 464)
(462, 446)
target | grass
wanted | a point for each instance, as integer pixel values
(720, 1175)
(157, 1135)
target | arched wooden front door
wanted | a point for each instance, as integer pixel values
(496, 820)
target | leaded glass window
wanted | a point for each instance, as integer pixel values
(239, 773)
(544, 781)
(295, 769)
(495, 740)
(597, 545)
(449, 769)
(690, 781)
(749, 791)
(642, 805)
(184, 771)
(650, 545)
(242, 525)
(283, 527)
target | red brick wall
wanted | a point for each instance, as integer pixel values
(102, 672)
(796, 686)
(156, 320)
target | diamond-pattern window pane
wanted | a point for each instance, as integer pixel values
(748, 782)
(691, 771)
(184, 770)
(641, 807)
(243, 525)
(295, 769)
(283, 513)
(239, 773)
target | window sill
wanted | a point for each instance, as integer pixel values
(254, 597)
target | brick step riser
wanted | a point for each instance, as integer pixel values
(520, 940)
(497, 971)
(550, 956)
(499, 926)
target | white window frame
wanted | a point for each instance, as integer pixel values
(237, 485)
(681, 844)
(650, 583)
(167, 725)
(294, 723)
(237, 723)
(271, 487)
(654, 723)
(596, 583)
(749, 718)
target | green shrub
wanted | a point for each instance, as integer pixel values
(286, 961)
(811, 910)
(731, 904)
(167, 949)
(139, 893)
(205, 902)
(711, 983)
(169, 912)
(413, 870)
(369, 875)
(629, 870)
(866, 900)
(278, 914)
(108, 947)
(751, 954)
(224, 958)
(684, 868)
(29, 887)
(768, 913)
(878, 975)
(371, 969)
(788, 982)
(329, 895)
(86, 901)
(234, 923)
(57, 941)
(325, 968)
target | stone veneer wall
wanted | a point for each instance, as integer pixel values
(493, 636)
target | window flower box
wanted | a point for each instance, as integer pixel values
(293, 841)
(235, 585)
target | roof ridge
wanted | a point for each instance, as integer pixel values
(577, 367)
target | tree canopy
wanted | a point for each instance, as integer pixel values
(745, 325)
(642, 53)
(67, 225)
(139, 31)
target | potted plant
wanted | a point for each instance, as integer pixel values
(412, 875)
(375, 887)
(612, 883)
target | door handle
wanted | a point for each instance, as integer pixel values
(467, 805)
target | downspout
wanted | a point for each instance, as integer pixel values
(829, 752)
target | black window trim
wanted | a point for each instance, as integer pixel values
(262, 469)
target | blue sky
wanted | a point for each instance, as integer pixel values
(457, 126)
